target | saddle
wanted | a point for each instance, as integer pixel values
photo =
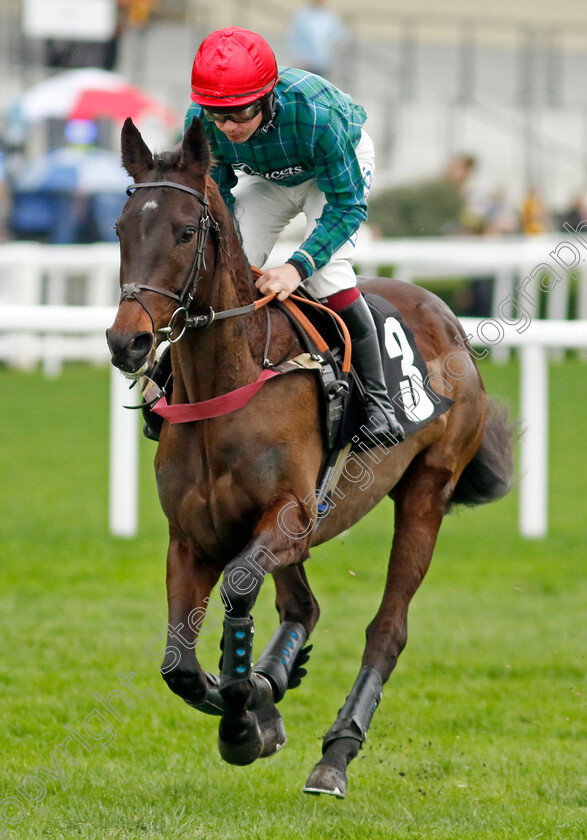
(343, 416)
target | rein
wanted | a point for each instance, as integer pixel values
(233, 400)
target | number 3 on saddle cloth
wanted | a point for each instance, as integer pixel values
(407, 378)
(343, 415)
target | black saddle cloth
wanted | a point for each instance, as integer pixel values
(406, 375)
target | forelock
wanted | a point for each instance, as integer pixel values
(169, 160)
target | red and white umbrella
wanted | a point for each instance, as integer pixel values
(89, 94)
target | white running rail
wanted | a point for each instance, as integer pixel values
(34, 274)
(533, 343)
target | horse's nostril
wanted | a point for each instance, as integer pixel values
(141, 344)
(129, 351)
(117, 342)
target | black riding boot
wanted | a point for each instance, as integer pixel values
(366, 359)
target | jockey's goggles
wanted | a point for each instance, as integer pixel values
(243, 115)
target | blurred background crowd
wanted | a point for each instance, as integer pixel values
(479, 115)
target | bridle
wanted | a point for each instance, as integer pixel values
(132, 291)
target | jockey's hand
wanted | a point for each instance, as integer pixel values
(283, 279)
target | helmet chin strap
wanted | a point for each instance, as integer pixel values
(268, 112)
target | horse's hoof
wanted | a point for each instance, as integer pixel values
(247, 749)
(326, 779)
(272, 731)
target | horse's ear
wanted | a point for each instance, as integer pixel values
(136, 155)
(195, 152)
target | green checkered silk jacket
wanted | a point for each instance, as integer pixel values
(313, 135)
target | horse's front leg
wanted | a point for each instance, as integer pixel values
(243, 689)
(296, 606)
(189, 582)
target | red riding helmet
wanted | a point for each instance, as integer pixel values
(232, 68)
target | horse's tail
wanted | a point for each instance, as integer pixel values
(489, 476)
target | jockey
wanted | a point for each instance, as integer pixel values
(298, 145)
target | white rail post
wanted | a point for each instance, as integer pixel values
(503, 288)
(124, 460)
(534, 443)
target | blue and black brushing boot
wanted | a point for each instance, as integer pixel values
(253, 729)
(283, 659)
(366, 359)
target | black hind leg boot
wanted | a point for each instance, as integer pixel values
(366, 359)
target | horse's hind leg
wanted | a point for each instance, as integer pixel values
(295, 600)
(420, 501)
(296, 604)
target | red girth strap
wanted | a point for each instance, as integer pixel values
(217, 406)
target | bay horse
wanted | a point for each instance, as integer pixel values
(237, 489)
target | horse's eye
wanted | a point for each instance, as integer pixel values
(188, 234)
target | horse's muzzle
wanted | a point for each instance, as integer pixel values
(129, 351)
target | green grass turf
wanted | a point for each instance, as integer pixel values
(481, 732)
